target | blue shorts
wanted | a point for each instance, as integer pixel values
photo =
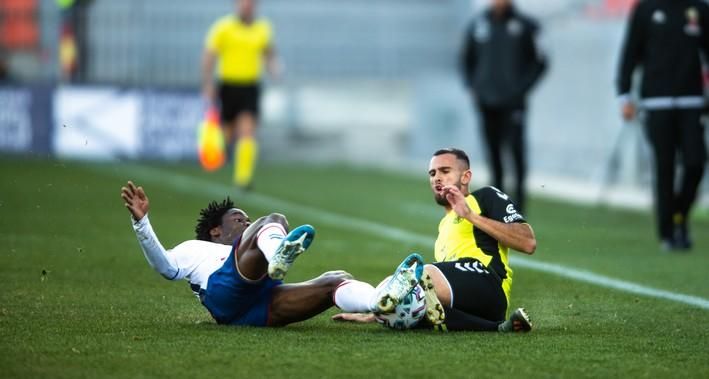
(233, 300)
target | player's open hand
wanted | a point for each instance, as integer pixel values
(135, 200)
(457, 201)
(354, 317)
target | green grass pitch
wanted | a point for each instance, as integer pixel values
(79, 300)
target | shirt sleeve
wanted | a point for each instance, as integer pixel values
(632, 52)
(468, 57)
(213, 40)
(705, 31)
(498, 206)
(267, 34)
(537, 61)
(154, 252)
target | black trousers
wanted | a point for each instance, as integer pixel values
(675, 135)
(503, 129)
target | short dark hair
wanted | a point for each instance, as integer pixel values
(459, 154)
(211, 217)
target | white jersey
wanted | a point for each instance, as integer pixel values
(193, 260)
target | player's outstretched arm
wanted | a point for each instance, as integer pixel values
(138, 205)
(518, 236)
(355, 317)
(135, 200)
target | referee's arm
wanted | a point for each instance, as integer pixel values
(209, 59)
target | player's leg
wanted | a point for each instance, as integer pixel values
(471, 295)
(437, 292)
(240, 292)
(292, 245)
(661, 134)
(693, 153)
(266, 248)
(353, 296)
(459, 321)
(438, 306)
(297, 302)
(247, 147)
(259, 244)
(227, 115)
(491, 126)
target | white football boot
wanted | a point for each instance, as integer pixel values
(294, 244)
(405, 278)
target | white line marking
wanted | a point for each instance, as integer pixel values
(189, 184)
(605, 281)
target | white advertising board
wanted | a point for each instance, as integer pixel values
(96, 123)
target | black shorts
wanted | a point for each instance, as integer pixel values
(475, 290)
(237, 98)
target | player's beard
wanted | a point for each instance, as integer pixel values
(441, 200)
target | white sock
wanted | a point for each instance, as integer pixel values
(268, 239)
(353, 296)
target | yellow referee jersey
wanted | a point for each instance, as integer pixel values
(240, 48)
(458, 238)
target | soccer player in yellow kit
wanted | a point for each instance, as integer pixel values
(469, 285)
(240, 43)
(472, 277)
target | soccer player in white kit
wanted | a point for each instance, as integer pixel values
(236, 267)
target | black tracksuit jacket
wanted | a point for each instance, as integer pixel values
(667, 39)
(500, 59)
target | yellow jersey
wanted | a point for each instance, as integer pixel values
(458, 238)
(240, 48)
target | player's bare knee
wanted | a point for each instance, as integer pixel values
(332, 279)
(276, 218)
(273, 218)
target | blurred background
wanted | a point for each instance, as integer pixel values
(366, 83)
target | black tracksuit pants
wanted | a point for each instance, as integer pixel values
(673, 134)
(503, 129)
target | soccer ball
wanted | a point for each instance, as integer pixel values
(407, 313)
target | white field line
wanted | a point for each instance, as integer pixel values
(189, 184)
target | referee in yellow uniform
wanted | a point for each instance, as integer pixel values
(240, 43)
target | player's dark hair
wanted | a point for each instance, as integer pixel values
(211, 217)
(459, 154)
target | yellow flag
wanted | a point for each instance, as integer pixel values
(67, 51)
(210, 140)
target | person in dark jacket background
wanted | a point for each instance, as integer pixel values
(500, 64)
(667, 38)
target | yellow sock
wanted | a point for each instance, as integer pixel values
(678, 218)
(245, 161)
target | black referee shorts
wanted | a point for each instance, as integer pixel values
(237, 98)
(475, 290)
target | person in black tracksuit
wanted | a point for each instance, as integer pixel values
(500, 65)
(667, 38)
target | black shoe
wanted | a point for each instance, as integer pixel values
(681, 237)
(667, 244)
(519, 321)
(671, 245)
